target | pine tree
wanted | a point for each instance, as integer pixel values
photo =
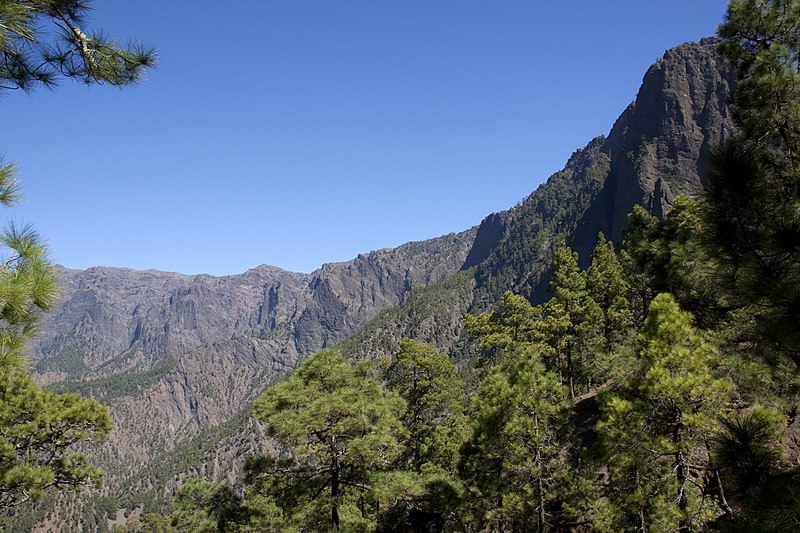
(655, 427)
(573, 322)
(434, 396)
(608, 288)
(206, 507)
(340, 428)
(436, 427)
(38, 429)
(673, 256)
(754, 190)
(516, 320)
(643, 261)
(513, 462)
(42, 40)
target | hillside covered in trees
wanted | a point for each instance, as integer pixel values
(619, 352)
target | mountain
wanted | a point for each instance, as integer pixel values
(657, 149)
(179, 358)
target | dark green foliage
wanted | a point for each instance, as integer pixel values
(341, 429)
(434, 397)
(754, 222)
(38, 432)
(747, 448)
(514, 321)
(205, 507)
(68, 361)
(436, 428)
(513, 463)
(776, 507)
(534, 228)
(760, 38)
(643, 261)
(608, 288)
(573, 324)
(655, 426)
(39, 429)
(672, 256)
(148, 523)
(754, 226)
(42, 40)
(117, 385)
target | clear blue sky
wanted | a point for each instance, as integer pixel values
(297, 132)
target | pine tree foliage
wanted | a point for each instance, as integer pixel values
(205, 507)
(42, 40)
(608, 288)
(515, 320)
(573, 322)
(341, 429)
(513, 462)
(656, 426)
(434, 397)
(760, 37)
(38, 433)
(747, 447)
(754, 191)
(38, 429)
(436, 427)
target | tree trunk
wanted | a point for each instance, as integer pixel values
(541, 515)
(539, 484)
(570, 377)
(642, 519)
(681, 472)
(335, 486)
(722, 500)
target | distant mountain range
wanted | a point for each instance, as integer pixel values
(178, 359)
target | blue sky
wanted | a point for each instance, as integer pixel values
(300, 132)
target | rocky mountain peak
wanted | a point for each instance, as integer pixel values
(659, 146)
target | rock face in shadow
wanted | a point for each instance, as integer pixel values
(657, 150)
(175, 356)
(659, 146)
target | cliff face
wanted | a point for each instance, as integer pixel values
(657, 150)
(659, 146)
(176, 357)
(111, 320)
(173, 355)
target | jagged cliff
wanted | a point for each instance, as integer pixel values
(177, 358)
(172, 355)
(656, 150)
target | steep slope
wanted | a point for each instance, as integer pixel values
(111, 320)
(659, 146)
(656, 150)
(175, 356)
